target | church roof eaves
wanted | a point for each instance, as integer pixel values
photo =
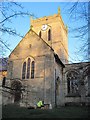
(78, 63)
(57, 59)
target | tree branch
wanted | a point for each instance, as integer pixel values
(16, 14)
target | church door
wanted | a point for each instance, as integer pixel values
(16, 86)
(17, 96)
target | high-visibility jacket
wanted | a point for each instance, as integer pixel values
(39, 104)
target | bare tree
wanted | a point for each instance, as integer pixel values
(9, 11)
(80, 14)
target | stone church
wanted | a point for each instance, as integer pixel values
(38, 68)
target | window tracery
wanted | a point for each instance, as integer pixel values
(28, 69)
(72, 82)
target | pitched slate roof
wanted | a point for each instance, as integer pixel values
(3, 64)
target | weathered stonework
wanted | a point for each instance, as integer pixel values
(49, 82)
(82, 81)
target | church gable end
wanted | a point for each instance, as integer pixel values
(31, 44)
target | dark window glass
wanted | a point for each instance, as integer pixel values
(3, 82)
(24, 70)
(28, 68)
(68, 84)
(32, 69)
(40, 34)
(49, 35)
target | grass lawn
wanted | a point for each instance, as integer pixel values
(13, 111)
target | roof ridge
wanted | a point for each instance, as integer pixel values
(42, 40)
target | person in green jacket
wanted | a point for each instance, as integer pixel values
(39, 104)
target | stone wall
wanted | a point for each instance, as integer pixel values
(41, 87)
(59, 40)
(82, 91)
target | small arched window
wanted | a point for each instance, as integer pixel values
(40, 34)
(32, 69)
(24, 70)
(28, 68)
(49, 35)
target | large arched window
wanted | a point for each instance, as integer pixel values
(28, 68)
(49, 35)
(24, 70)
(32, 69)
(40, 34)
(72, 83)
